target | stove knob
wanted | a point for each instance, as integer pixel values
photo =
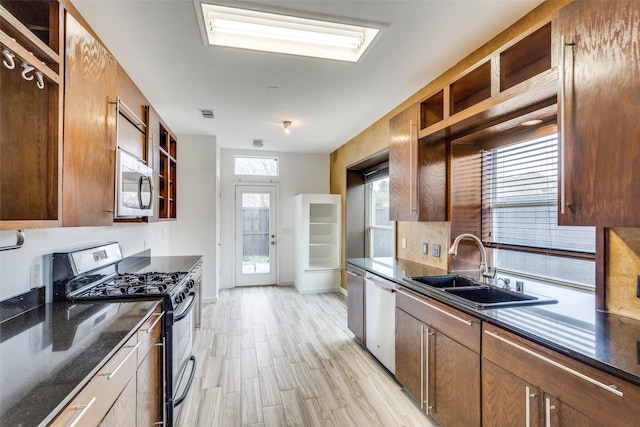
(190, 283)
(178, 299)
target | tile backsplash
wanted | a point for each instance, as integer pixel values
(416, 234)
(623, 267)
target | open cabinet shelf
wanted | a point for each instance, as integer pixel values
(167, 175)
(517, 76)
(317, 242)
(30, 171)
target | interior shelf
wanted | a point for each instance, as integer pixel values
(317, 242)
(432, 109)
(470, 89)
(527, 58)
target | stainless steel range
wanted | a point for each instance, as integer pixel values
(100, 273)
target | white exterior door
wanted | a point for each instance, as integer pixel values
(255, 236)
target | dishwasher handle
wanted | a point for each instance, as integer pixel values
(380, 284)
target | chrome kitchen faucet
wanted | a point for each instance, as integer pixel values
(485, 270)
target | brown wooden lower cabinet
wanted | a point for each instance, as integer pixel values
(524, 383)
(509, 401)
(120, 413)
(440, 372)
(410, 354)
(355, 302)
(149, 394)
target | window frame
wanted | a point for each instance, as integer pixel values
(487, 223)
(369, 227)
(240, 156)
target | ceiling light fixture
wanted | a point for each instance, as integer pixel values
(533, 122)
(287, 125)
(258, 143)
(285, 33)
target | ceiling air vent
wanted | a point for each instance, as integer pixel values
(207, 113)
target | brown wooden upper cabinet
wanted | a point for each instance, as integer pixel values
(133, 122)
(403, 165)
(599, 101)
(30, 114)
(89, 130)
(167, 173)
(517, 78)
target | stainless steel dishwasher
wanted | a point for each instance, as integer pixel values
(380, 319)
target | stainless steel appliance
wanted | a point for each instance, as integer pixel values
(134, 188)
(96, 273)
(380, 320)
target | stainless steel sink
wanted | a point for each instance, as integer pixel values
(465, 290)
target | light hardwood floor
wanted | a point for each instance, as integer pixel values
(268, 356)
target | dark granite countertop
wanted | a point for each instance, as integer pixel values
(607, 341)
(49, 353)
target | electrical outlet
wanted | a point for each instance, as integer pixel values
(35, 276)
(425, 248)
(435, 250)
(404, 243)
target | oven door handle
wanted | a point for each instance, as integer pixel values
(186, 311)
(183, 396)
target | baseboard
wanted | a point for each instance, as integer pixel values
(343, 291)
(318, 290)
(209, 300)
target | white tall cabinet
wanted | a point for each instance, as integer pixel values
(317, 235)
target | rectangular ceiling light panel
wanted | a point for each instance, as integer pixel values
(270, 32)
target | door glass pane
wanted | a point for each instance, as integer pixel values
(256, 214)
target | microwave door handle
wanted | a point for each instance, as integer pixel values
(140, 183)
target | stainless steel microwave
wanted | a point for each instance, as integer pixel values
(134, 186)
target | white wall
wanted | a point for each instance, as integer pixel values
(299, 173)
(15, 265)
(194, 232)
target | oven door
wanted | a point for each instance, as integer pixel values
(134, 190)
(183, 360)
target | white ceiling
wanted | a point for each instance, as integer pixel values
(159, 44)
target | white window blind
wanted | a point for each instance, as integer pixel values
(520, 200)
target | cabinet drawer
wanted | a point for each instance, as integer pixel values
(80, 411)
(452, 322)
(113, 377)
(93, 402)
(595, 393)
(149, 333)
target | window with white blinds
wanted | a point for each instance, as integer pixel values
(520, 212)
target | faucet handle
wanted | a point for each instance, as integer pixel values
(506, 282)
(490, 272)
